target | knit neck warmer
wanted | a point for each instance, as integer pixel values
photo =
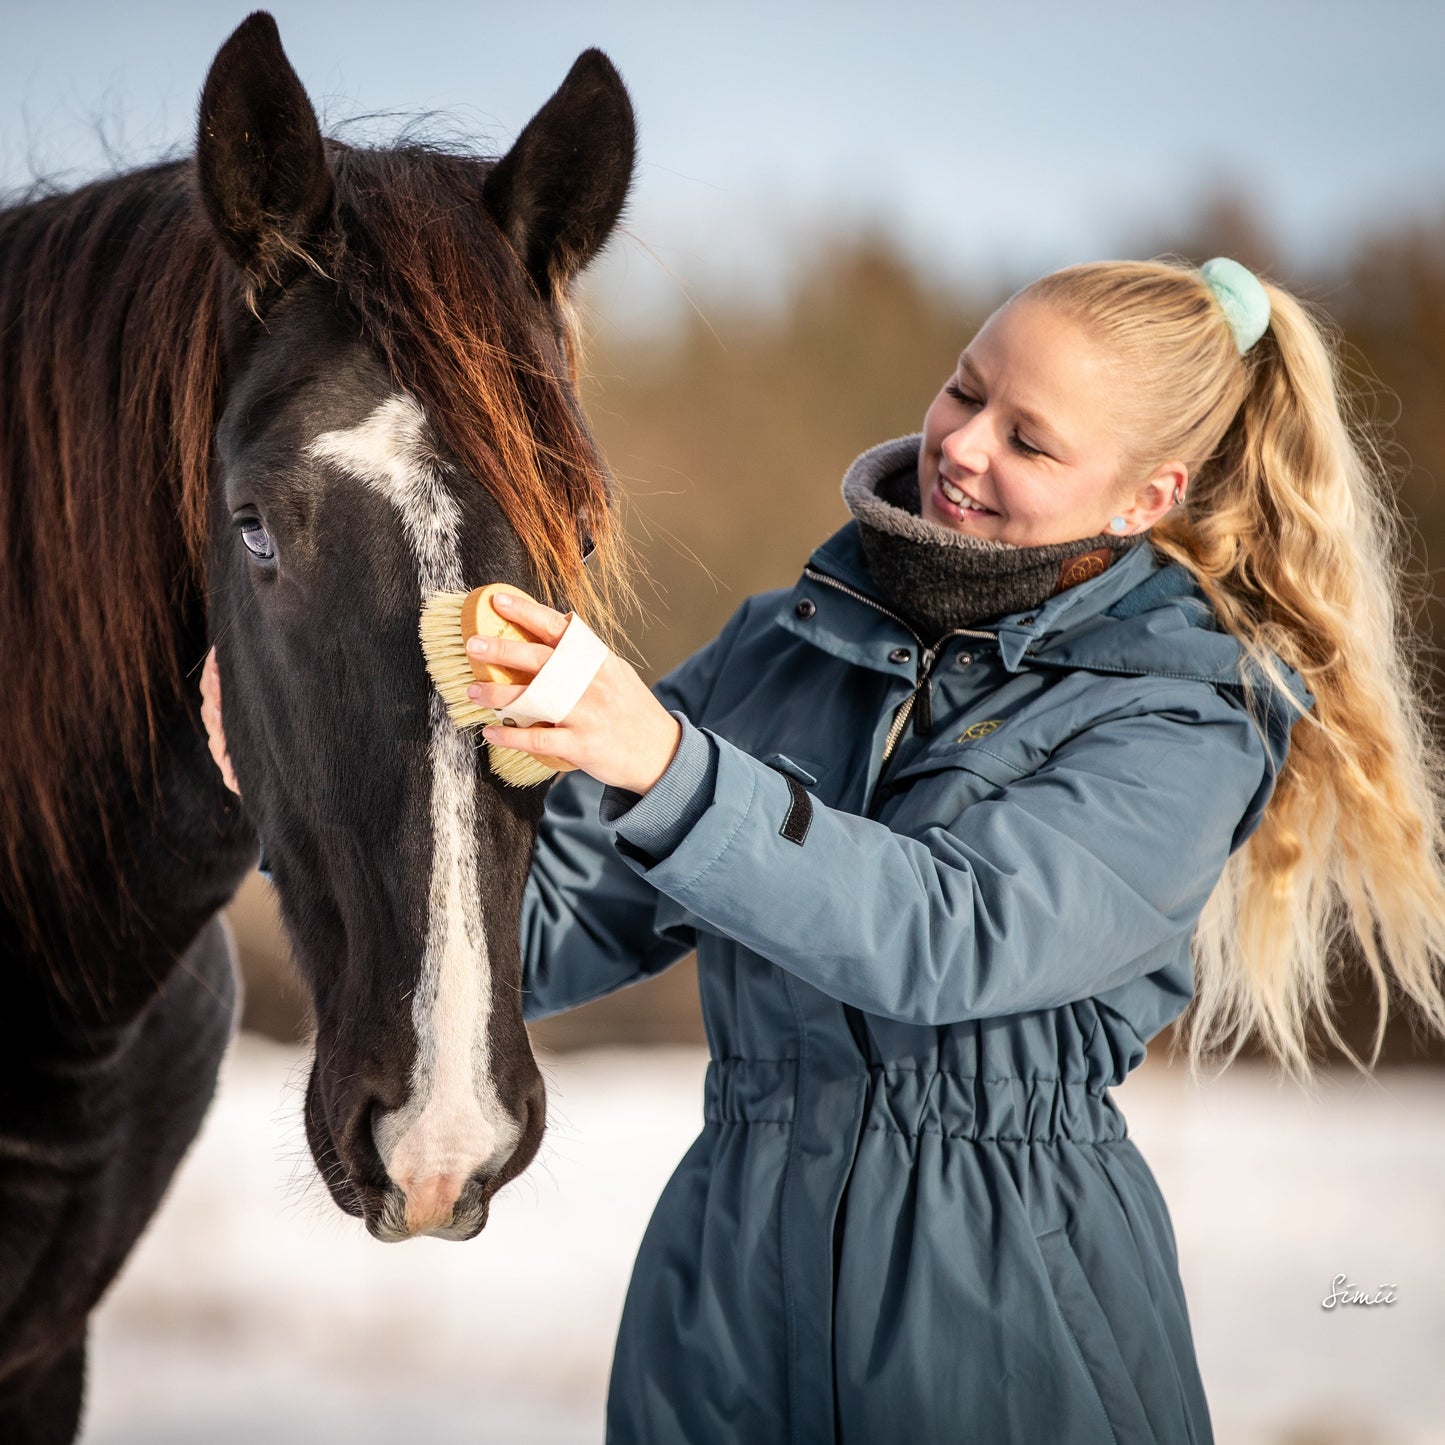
(938, 579)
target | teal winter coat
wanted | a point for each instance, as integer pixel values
(926, 953)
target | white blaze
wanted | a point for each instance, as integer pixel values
(454, 1122)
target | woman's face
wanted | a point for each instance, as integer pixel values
(1028, 427)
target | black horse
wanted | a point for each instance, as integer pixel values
(271, 398)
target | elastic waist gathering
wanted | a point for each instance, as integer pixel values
(918, 1101)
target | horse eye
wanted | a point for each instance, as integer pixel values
(256, 538)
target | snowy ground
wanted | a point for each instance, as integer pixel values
(255, 1314)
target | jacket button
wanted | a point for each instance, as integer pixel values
(805, 608)
(1025, 621)
(963, 659)
(899, 654)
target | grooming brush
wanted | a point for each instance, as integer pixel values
(448, 619)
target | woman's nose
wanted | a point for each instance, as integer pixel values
(966, 447)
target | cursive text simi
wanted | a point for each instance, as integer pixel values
(1342, 1292)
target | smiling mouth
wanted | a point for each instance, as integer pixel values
(962, 499)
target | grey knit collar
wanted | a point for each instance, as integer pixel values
(939, 579)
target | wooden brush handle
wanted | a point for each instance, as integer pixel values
(479, 619)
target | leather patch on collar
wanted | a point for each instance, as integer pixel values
(1079, 569)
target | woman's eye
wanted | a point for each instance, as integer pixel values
(1022, 446)
(256, 538)
(959, 395)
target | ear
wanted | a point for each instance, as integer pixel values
(259, 161)
(559, 191)
(1155, 496)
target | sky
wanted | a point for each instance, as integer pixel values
(993, 141)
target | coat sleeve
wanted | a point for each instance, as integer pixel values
(590, 924)
(1060, 886)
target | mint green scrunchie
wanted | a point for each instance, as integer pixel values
(1244, 301)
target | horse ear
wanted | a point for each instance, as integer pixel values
(259, 160)
(559, 191)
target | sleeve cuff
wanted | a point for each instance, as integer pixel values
(656, 821)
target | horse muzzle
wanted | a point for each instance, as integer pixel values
(433, 1171)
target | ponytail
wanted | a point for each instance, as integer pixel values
(1294, 539)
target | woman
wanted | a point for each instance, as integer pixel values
(1092, 708)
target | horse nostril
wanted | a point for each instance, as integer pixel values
(535, 1120)
(357, 1147)
(374, 1113)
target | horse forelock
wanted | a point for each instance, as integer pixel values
(461, 326)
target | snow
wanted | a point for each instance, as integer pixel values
(253, 1311)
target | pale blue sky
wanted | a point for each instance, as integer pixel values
(996, 139)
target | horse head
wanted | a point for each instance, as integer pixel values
(398, 415)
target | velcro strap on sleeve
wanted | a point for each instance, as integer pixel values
(800, 812)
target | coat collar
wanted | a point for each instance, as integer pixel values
(1143, 616)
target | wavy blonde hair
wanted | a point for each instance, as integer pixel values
(1290, 528)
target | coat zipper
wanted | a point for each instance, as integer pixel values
(919, 703)
(923, 723)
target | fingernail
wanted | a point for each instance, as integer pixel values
(479, 646)
(503, 600)
(475, 693)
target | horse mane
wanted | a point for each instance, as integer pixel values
(111, 298)
(109, 376)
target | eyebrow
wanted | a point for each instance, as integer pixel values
(1031, 419)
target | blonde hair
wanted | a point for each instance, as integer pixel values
(1290, 529)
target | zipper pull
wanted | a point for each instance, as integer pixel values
(923, 694)
(923, 708)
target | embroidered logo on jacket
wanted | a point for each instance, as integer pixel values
(979, 730)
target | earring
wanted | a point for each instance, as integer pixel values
(1118, 524)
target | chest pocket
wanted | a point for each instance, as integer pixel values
(933, 789)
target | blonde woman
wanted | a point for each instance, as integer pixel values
(1100, 703)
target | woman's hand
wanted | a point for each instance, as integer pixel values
(211, 716)
(618, 732)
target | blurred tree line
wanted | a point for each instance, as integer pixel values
(729, 434)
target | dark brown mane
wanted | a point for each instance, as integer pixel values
(108, 387)
(109, 391)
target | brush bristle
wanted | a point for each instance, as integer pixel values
(445, 650)
(521, 770)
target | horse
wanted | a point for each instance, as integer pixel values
(268, 398)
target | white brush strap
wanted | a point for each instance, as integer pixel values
(564, 677)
